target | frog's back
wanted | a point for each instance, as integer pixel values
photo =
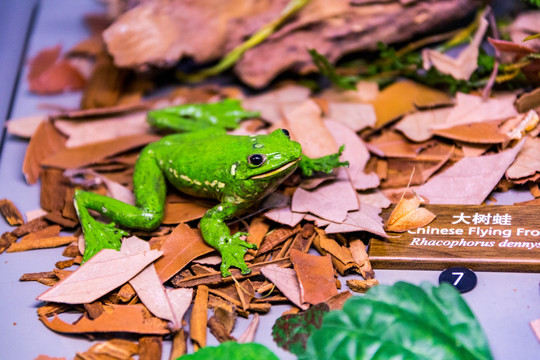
(197, 163)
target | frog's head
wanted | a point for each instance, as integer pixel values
(270, 157)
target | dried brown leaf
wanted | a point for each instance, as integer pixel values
(329, 201)
(179, 249)
(183, 212)
(365, 219)
(89, 154)
(353, 115)
(473, 109)
(306, 126)
(356, 153)
(45, 142)
(402, 98)
(417, 125)
(286, 281)
(470, 180)
(104, 272)
(479, 133)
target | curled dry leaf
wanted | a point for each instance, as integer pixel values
(527, 161)
(249, 334)
(409, 215)
(488, 132)
(470, 180)
(106, 271)
(116, 318)
(465, 64)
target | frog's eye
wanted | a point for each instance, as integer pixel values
(256, 159)
(286, 132)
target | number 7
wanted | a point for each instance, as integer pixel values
(459, 275)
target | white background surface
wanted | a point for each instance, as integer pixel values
(503, 302)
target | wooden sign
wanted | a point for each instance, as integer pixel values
(489, 238)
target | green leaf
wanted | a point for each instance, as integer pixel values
(403, 321)
(328, 70)
(232, 350)
(292, 331)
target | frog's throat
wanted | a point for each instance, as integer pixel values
(277, 170)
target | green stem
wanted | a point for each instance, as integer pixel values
(235, 54)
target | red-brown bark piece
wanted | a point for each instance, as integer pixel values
(117, 318)
(315, 275)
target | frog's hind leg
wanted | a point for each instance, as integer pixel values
(147, 213)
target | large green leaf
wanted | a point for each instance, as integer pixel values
(232, 350)
(403, 321)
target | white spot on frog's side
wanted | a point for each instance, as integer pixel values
(208, 183)
(233, 169)
(186, 178)
(220, 185)
(160, 162)
(197, 182)
(103, 210)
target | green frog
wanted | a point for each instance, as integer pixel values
(203, 161)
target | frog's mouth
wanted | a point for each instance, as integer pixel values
(277, 170)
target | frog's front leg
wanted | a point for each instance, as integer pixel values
(149, 189)
(216, 233)
(325, 163)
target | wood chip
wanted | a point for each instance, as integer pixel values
(361, 286)
(150, 347)
(118, 318)
(199, 318)
(276, 237)
(10, 212)
(45, 243)
(117, 349)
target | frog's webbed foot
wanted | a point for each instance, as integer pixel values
(232, 252)
(98, 236)
(325, 163)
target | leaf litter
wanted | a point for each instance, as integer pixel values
(387, 132)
